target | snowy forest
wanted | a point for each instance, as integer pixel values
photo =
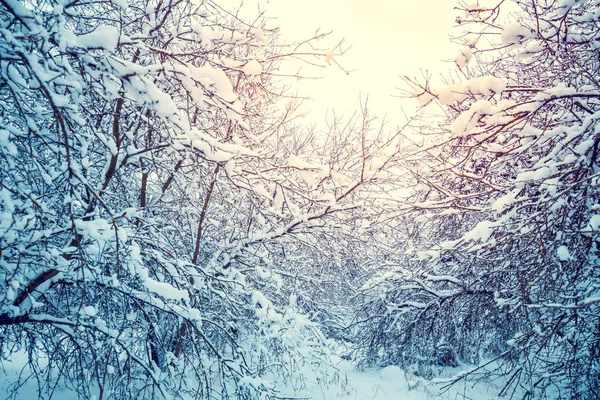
(172, 228)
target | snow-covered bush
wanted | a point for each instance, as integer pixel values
(513, 187)
(140, 199)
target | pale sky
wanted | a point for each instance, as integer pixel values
(389, 38)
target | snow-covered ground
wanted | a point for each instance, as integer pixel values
(10, 371)
(389, 383)
(393, 383)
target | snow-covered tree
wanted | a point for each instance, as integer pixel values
(141, 198)
(507, 275)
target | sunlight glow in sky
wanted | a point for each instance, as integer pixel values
(389, 39)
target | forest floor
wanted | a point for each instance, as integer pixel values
(388, 383)
(393, 383)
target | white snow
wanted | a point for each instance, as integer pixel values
(123, 4)
(463, 57)
(595, 222)
(350, 383)
(215, 78)
(515, 33)
(539, 174)
(563, 253)
(392, 383)
(252, 68)
(482, 231)
(103, 37)
(471, 40)
(165, 290)
(90, 311)
(483, 86)
(209, 36)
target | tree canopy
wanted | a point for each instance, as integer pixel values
(170, 229)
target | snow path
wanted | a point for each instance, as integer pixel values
(389, 383)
